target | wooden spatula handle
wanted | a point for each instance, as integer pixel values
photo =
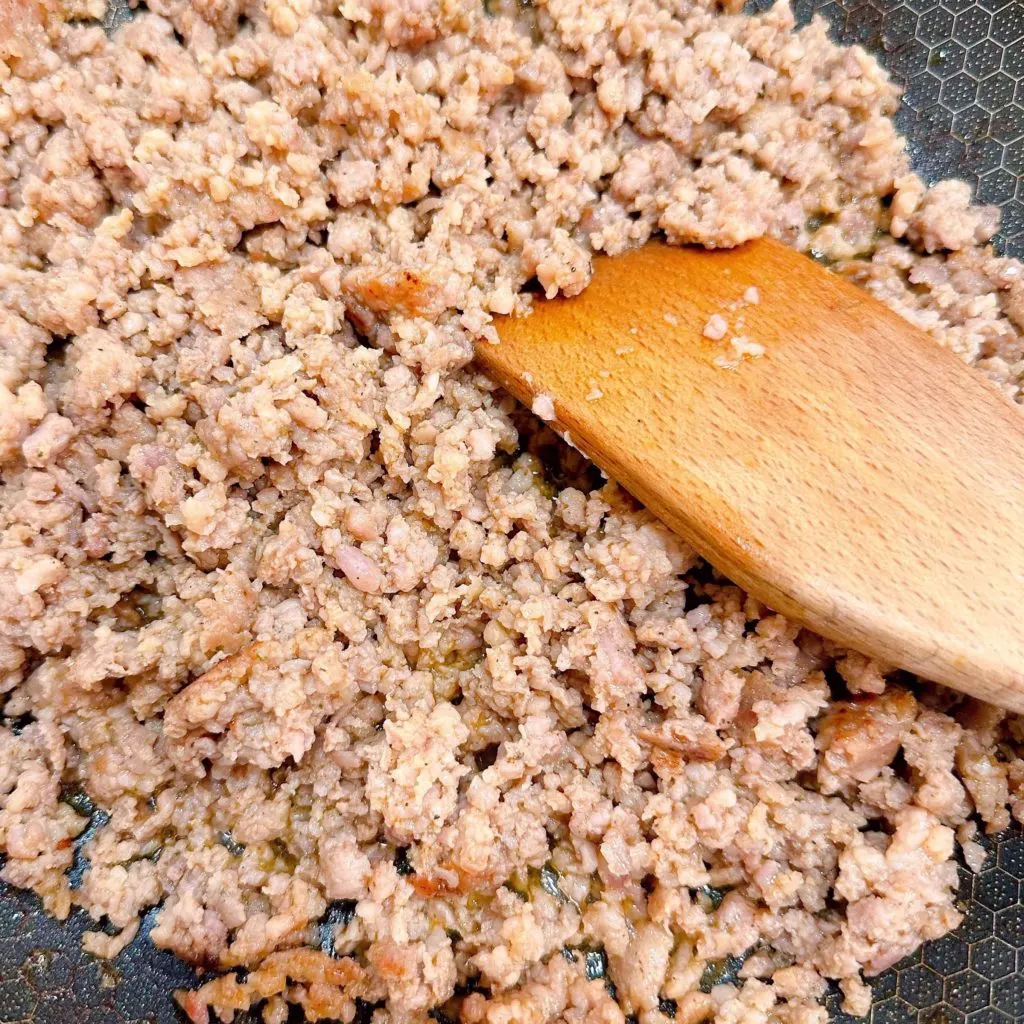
(856, 477)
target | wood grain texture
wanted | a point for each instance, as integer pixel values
(857, 477)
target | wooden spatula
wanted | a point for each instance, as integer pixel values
(855, 476)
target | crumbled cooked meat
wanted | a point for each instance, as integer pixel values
(376, 692)
(716, 328)
(985, 778)
(639, 970)
(856, 997)
(858, 739)
(543, 407)
(261, 705)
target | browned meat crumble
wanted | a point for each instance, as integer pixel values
(387, 698)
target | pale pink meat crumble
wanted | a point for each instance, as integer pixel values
(389, 700)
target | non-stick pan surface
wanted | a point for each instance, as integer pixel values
(962, 65)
